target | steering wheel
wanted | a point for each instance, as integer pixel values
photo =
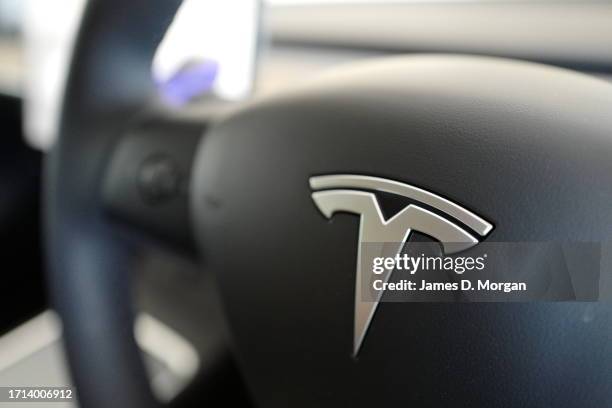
(527, 147)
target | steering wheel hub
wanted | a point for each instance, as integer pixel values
(494, 136)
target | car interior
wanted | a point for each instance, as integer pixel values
(198, 200)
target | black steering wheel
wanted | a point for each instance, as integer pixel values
(527, 147)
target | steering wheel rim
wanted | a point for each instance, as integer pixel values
(108, 82)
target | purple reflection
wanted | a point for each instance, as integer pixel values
(193, 79)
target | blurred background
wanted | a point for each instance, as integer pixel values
(222, 52)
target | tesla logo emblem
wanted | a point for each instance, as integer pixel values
(348, 193)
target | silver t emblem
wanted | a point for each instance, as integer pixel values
(344, 193)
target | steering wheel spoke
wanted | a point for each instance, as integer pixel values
(146, 183)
